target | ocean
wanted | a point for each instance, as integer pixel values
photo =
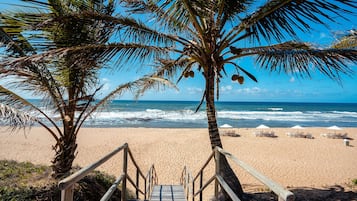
(180, 114)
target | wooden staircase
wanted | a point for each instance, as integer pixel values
(168, 193)
(147, 187)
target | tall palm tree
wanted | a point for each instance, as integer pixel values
(38, 61)
(210, 36)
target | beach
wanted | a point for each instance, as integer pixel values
(292, 162)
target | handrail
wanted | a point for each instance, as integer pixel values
(185, 180)
(282, 193)
(66, 185)
(152, 179)
(74, 178)
(275, 187)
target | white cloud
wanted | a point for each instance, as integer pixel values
(194, 90)
(292, 79)
(106, 84)
(252, 91)
(227, 88)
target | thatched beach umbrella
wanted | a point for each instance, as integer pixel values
(335, 128)
(262, 126)
(226, 126)
(297, 127)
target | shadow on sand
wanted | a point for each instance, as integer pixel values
(332, 193)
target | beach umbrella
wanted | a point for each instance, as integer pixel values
(226, 126)
(335, 128)
(262, 126)
(297, 127)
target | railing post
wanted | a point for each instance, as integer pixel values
(145, 189)
(150, 182)
(125, 170)
(67, 194)
(187, 184)
(193, 190)
(216, 156)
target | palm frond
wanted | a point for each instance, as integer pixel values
(167, 13)
(13, 110)
(86, 109)
(15, 118)
(11, 45)
(169, 67)
(229, 10)
(239, 68)
(19, 104)
(150, 82)
(347, 41)
(138, 87)
(101, 53)
(8, 97)
(35, 78)
(300, 58)
(125, 27)
(277, 18)
(11, 35)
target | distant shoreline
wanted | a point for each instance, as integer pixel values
(197, 101)
(181, 114)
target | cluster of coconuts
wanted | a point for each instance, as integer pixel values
(238, 78)
(189, 74)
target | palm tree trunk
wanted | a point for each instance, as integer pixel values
(225, 169)
(65, 155)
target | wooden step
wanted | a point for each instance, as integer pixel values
(168, 193)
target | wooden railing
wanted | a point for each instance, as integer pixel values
(67, 185)
(189, 182)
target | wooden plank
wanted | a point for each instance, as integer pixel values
(74, 178)
(275, 187)
(226, 188)
(168, 193)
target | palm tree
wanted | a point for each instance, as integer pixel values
(213, 35)
(40, 62)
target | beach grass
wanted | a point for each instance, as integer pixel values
(354, 181)
(26, 181)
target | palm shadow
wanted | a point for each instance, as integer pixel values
(332, 193)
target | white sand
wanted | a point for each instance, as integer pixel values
(293, 162)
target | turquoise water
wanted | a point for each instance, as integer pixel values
(180, 114)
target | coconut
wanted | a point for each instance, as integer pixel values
(240, 79)
(234, 77)
(192, 74)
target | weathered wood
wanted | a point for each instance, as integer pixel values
(135, 164)
(168, 193)
(125, 170)
(227, 189)
(204, 186)
(67, 194)
(66, 185)
(275, 187)
(135, 186)
(217, 156)
(74, 178)
(111, 190)
(151, 177)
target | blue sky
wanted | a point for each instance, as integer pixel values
(271, 86)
